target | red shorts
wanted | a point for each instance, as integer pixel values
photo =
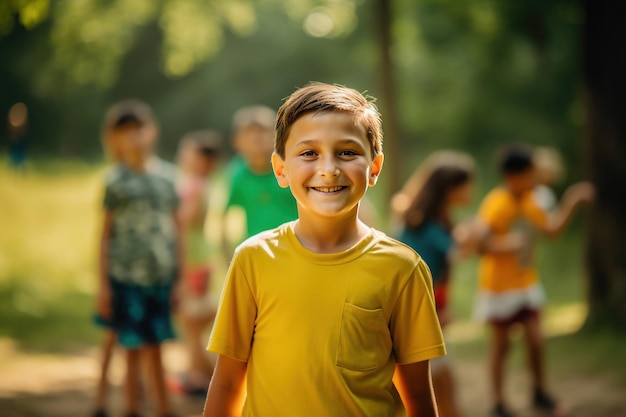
(441, 295)
(198, 278)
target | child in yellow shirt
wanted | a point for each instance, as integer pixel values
(325, 316)
(510, 292)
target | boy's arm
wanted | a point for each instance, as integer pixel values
(225, 242)
(227, 389)
(487, 242)
(512, 242)
(415, 387)
(574, 196)
(104, 286)
(233, 229)
(191, 210)
(177, 285)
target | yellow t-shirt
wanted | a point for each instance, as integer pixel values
(500, 210)
(322, 333)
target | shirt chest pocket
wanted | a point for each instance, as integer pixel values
(364, 341)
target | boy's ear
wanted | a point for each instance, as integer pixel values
(375, 168)
(278, 165)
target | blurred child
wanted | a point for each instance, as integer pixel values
(510, 292)
(198, 156)
(321, 315)
(112, 142)
(17, 127)
(253, 187)
(140, 252)
(444, 182)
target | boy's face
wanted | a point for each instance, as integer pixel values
(134, 142)
(255, 144)
(328, 164)
(461, 195)
(522, 182)
(193, 162)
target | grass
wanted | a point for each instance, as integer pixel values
(49, 219)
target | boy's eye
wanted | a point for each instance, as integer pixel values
(308, 154)
(348, 153)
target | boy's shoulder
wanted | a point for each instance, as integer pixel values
(263, 240)
(163, 169)
(498, 196)
(377, 247)
(113, 173)
(236, 168)
(397, 249)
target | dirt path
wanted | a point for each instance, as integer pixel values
(33, 385)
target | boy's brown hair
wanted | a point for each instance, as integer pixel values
(123, 114)
(261, 116)
(207, 143)
(319, 97)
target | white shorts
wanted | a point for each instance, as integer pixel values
(504, 305)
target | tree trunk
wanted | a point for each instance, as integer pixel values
(393, 161)
(604, 77)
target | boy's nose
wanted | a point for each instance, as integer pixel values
(328, 167)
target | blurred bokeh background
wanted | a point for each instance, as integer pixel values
(447, 74)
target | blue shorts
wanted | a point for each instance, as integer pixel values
(141, 315)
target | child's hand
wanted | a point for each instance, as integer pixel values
(104, 302)
(525, 242)
(467, 236)
(580, 193)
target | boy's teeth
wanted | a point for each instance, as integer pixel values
(328, 189)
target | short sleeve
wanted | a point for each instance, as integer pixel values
(495, 211)
(414, 325)
(533, 211)
(234, 195)
(234, 172)
(233, 328)
(111, 198)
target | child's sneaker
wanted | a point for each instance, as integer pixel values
(545, 403)
(501, 411)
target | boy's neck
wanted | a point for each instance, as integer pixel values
(260, 169)
(514, 191)
(137, 165)
(329, 235)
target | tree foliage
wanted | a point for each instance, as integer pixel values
(470, 75)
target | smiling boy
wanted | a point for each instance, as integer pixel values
(324, 316)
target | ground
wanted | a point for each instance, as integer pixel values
(62, 385)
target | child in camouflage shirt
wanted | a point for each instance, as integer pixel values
(140, 254)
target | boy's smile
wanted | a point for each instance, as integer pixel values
(328, 164)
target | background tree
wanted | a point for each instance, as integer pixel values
(604, 66)
(469, 75)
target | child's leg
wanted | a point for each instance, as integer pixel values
(534, 346)
(108, 343)
(443, 385)
(500, 344)
(131, 387)
(200, 365)
(151, 358)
